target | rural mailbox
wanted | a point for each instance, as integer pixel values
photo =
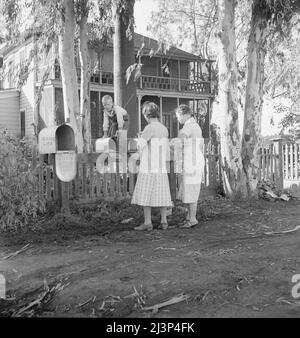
(111, 146)
(133, 145)
(113, 153)
(66, 165)
(60, 140)
(108, 150)
(105, 145)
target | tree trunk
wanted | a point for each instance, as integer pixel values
(85, 79)
(254, 100)
(68, 72)
(124, 56)
(233, 177)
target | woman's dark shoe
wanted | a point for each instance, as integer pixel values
(188, 225)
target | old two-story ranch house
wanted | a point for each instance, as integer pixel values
(168, 79)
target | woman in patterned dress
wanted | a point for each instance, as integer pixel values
(193, 163)
(152, 186)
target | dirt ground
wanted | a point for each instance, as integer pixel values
(228, 266)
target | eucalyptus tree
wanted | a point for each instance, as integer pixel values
(246, 31)
(233, 175)
(267, 18)
(124, 58)
(188, 24)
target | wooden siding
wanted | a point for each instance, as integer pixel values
(10, 112)
(46, 109)
(27, 103)
(26, 95)
(107, 61)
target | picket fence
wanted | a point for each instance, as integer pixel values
(90, 186)
(279, 162)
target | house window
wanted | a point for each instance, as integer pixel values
(165, 68)
(22, 122)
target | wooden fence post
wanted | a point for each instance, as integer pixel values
(56, 183)
(64, 197)
(279, 144)
(41, 176)
(61, 194)
(172, 181)
(34, 157)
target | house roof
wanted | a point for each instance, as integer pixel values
(139, 41)
(151, 44)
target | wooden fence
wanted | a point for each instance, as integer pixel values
(90, 186)
(279, 163)
(270, 164)
(291, 160)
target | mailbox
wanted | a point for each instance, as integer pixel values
(106, 145)
(133, 145)
(58, 138)
(66, 165)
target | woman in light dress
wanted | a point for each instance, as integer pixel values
(193, 163)
(152, 186)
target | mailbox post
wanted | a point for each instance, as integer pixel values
(60, 141)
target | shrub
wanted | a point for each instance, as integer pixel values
(20, 201)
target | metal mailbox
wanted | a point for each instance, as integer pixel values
(133, 145)
(66, 165)
(58, 138)
(106, 145)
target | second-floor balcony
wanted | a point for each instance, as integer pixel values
(145, 82)
(148, 82)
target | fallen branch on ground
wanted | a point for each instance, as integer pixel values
(45, 298)
(17, 252)
(174, 300)
(126, 221)
(92, 299)
(283, 232)
(206, 294)
(256, 235)
(163, 248)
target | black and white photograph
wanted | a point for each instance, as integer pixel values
(149, 162)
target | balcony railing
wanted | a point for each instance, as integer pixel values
(146, 82)
(174, 84)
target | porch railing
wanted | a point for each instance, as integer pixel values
(174, 84)
(146, 82)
